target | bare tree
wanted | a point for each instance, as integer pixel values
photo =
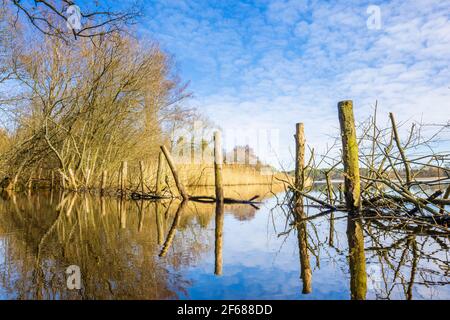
(55, 17)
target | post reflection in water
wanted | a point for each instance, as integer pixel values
(302, 235)
(173, 229)
(160, 218)
(357, 258)
(218, 238)
(166, 250)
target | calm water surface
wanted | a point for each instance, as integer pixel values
(147, 250)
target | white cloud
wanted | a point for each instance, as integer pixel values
(292, 61)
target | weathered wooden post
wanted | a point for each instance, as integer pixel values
(52, 180)
(141, 169)
(172, 167)
(299, 157)
(350, 155)
(302, 232)
(159, 173)
(218, 160)
(123, 178)
(103, 182)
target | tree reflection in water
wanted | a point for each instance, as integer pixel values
(141, 250)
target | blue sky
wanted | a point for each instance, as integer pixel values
(265, 65)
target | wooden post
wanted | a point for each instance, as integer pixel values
(52, 180)
(299, 156)
(350, 155)
(302, 235)
(123, 178)
(103, 182)
(141, 168)
(172, 167)
(218, 159)
(159, 173)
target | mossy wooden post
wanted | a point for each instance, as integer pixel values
(218, 159)
(159, 173)
(103, 182)
(141, 169)
(350, 155)
(172, 167)
(357, 259)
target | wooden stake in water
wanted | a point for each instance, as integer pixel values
(299, 156)
(123, 178)
(302, 232)
(104, 179)
(159, 173)
(172, 167)
(350, 155)
(52, 180)
(141, 169)
(218, 160)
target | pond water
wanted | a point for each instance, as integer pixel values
(148, 250)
